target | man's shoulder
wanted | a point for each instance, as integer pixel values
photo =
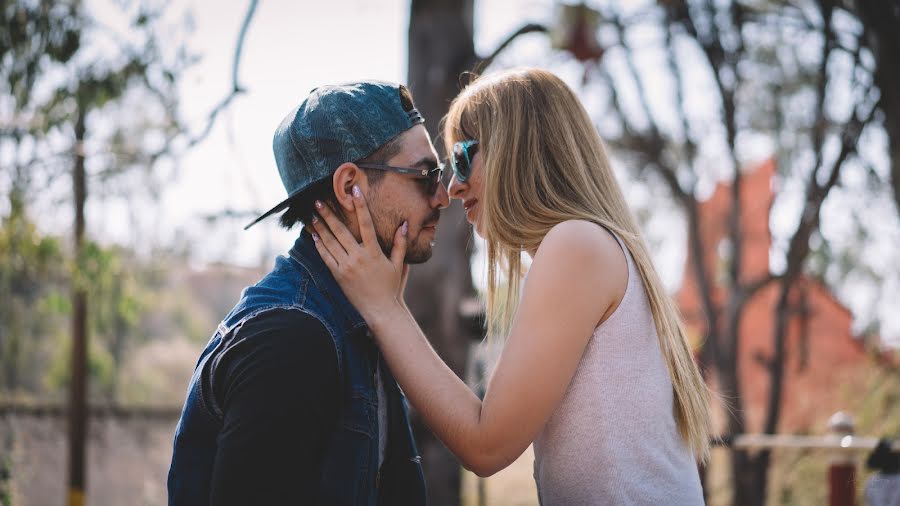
(281, 317)
(289, 327)
(276, 343)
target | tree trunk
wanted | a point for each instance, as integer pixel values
(78, 385)
(440, 49)
(748, 473)
(751, 476)
(881, 20)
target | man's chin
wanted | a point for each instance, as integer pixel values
(419, 254)
(415, 254)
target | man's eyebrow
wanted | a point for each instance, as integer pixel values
(429, 162)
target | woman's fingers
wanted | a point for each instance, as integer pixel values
(329, 260)
(364, 219)
(398, 251)
(325, 239)
(337, 228)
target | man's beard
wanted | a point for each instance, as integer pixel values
(418, 251)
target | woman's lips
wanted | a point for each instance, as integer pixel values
(468, 206)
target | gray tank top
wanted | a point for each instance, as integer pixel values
(613, 438)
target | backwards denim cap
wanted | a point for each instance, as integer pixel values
(336, 124)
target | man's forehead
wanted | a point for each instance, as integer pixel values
(415, 145)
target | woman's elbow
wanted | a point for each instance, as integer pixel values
(486, 456)
(483, 471)
(485, 466)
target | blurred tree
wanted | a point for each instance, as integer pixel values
(79, 98)
(119, 299)
(879, 23)
(36, 36)
(32, 281)
(44, 49)
(796, 78)
(119, 291)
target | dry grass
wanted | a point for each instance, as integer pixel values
(127, 461)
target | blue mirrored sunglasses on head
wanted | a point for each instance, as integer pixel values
(461, 159)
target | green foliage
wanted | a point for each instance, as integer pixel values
(59, 77)
(56, 70)
(5, 474)
(133, 306)
(35, 286)
(36, 33)
(101, 368)
(31, 281)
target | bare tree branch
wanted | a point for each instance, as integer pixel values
(632, 70)
(236, 88)
(675, 69)
(821, 122)
(488, 60)
(799, 250)
(749, 289)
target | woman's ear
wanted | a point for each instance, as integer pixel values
(345, 178)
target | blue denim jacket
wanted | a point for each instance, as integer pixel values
(350, 474)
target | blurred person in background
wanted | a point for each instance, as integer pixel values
(595, 369)
(291, 401)
(883, 487)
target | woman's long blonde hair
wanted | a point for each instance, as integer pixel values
(544, 163)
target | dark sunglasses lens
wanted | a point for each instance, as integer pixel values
(435, 179)
(461, 162)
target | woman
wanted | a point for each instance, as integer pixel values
(595, 369)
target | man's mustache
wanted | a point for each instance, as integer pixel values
(433, 219)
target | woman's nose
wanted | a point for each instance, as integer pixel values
(456, 189)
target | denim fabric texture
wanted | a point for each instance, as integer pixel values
(349, 473)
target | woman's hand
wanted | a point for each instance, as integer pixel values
(371, 281)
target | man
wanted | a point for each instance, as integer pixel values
(291, 402)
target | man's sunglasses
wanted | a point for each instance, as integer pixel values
(433, 177)
(461, 159)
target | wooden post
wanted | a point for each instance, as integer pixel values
(78, 386)
(842, 471)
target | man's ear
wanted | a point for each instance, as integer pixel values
(345, 177)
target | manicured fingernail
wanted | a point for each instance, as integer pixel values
(315, 237)
(404, 228)
(319, 204)
(357, 192)
(315, 220)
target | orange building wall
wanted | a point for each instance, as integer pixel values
(823, 357)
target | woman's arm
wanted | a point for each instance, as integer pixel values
(576, 277)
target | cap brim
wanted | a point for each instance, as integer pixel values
(280, 207)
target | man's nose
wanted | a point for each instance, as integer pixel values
(440, 200)
(456, 189)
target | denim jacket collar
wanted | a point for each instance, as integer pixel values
(304, 253)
